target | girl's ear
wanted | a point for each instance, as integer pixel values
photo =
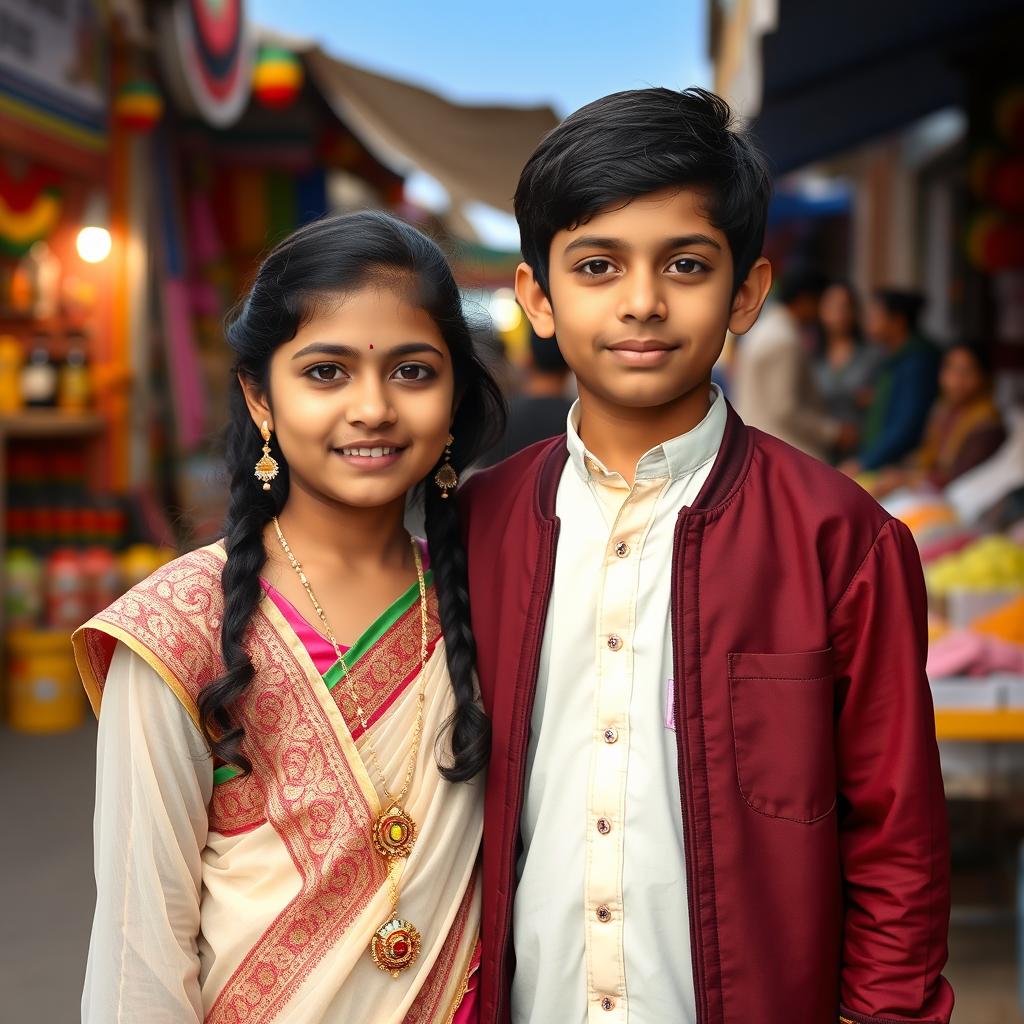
(535, 303)
(256, 400)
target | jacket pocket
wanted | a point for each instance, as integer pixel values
(782, 725)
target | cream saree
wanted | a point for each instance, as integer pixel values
(281, 888)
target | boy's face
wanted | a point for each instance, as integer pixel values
(641, 298)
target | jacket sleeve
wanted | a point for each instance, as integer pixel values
(893, 833)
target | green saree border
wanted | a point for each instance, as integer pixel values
(370, 636)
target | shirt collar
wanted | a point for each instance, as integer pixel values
(674, 459)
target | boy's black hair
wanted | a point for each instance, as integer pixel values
(905, 304)
(634, 143)
(801, 281)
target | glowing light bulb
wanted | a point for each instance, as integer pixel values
(93, 244)
(504, 310)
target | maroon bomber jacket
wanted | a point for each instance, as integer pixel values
(811, 798)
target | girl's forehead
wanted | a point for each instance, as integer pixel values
(370, 316)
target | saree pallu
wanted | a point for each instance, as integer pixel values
(292, 887)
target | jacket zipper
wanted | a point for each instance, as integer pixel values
(520, 726)
(696, 948)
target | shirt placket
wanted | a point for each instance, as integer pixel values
(604, 908)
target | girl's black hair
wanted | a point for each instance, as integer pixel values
(301, 276)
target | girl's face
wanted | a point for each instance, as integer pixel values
(361, 399)
(961, 379)
(836, 310)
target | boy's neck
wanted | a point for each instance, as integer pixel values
(619, 436)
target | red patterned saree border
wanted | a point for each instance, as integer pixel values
(316, 805)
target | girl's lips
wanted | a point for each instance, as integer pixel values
(376, 458)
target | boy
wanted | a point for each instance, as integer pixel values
(714, 792)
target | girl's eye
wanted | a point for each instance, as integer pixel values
(413, 372)
(595, 268)
(325, 372)
(687, 267)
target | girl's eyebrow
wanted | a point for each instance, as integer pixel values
(327, 348)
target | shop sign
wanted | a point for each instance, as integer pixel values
(53, 61)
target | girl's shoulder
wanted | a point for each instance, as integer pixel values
(171, 619)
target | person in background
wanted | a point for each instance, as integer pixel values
(964, 429)
(906, 384)
(539, 411)
(773, 378)
(846, 367)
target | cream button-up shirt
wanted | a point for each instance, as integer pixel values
(601, 926)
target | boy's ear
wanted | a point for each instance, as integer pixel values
(750, 298)
(534, 302)
(256, 400)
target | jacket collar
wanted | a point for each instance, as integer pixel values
(729, 468)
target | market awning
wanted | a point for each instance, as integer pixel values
(841, 73)
(475, 152)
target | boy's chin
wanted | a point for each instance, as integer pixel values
(646, 392)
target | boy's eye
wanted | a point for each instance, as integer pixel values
(325, 372)
(687, 266)
(595, 268)
(413, 372)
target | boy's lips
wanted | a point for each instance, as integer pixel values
(642, 351)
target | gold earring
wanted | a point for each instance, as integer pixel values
(446, 478)
(267, 468)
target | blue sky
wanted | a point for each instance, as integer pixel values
(520, 52)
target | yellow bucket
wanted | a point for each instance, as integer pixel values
(44, 693)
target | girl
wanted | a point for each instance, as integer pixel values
(846, 365)
(964, 428)
(319, 867)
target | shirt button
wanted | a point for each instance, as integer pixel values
(614, 642)
(622, 549)
(607, 1003)
(604, 826)
(610, 735)
(604, 915)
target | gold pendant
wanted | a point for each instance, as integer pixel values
(395, 946)
(394, 833)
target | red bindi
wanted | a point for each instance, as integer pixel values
(371, 348)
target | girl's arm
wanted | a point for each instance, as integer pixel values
(154, 779)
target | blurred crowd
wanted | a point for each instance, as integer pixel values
(851, 380)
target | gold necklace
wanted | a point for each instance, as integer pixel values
(396, 943)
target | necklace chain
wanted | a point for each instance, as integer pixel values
(389, 798)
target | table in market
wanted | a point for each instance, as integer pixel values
(1001, 720)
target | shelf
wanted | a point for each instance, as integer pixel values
(1003, 725)
(43, 423)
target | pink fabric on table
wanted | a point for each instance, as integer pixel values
(963, 653)
(469, 1009)
(318, 647)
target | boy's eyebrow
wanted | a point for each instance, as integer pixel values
(604, 242)
(328, 348)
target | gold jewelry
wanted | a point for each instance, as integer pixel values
(396, 943)
(446, 478)
(267, 468)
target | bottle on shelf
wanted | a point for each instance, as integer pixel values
(39, 379)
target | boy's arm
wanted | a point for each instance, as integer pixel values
(892, 828)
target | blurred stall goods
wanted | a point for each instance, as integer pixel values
(44, 692)
(993, 563)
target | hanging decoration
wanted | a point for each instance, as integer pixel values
(277, 77)
(30, 205)
(138, 106)
(206, 55)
